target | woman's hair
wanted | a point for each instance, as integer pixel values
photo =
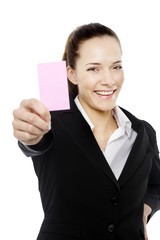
(76, 38)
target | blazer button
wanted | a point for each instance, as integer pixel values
(114, 201)
(111, 228)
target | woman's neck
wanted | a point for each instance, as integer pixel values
(102, 120)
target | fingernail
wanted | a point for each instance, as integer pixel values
(49, 126)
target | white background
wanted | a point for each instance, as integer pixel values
(35, 31)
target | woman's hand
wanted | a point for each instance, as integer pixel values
(147, 211)
(31, 121)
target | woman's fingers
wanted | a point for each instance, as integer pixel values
(31, 121)
(21, 116)
(26, 127)
(37, 107)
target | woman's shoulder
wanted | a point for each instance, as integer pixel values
(137, 121)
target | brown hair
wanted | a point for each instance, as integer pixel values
(76, 38)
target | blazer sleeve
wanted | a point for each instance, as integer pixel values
(152, 197)
(40, 148)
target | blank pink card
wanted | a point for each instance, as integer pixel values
(53, 85)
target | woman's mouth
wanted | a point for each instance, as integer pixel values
(105, 93)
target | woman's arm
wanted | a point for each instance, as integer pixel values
(39, 148)
(152, 197)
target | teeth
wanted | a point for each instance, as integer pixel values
(104, 93)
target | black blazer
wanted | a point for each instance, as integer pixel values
(80, 195)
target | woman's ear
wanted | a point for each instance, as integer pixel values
(71, 75)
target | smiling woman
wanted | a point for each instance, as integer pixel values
(98, 74)
(98, 166)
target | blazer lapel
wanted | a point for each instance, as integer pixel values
(82, 134)
(138, 150)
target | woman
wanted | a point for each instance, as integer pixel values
(98, 166)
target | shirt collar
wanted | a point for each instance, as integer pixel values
(122, 121)
(84, 114)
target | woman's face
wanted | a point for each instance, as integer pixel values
(98, 73)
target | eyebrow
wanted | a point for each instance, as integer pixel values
(119, 61)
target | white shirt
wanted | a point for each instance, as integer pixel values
(120, 142)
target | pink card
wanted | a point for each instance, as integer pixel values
(53, 85)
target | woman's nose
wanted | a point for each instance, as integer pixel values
(107, 78)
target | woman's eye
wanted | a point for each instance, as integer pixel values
(92, 69)
(117, 67)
